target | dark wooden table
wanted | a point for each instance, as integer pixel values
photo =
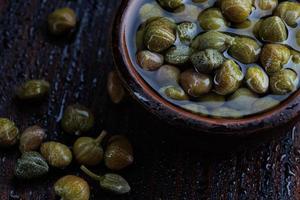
(170, 163)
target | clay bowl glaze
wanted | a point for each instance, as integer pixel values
(123, 40)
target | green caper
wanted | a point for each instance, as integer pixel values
(244, 25)
(267, 4)
(224, 112)
(119, 153)
(264, 103)
(31, 165)
(256, 28)
(272, 29)
(212, 40)
(149, 60)
(212, 19)
(167, 74)
(174, 92)
(9, 133)
(171, 5)
(289, 12)
(245, 50)
(208, 60)
(72, 187)
(111, 182)
(195, 84)
(115, 88)
(236, 11)
(295, 56)
(186, 32)
(228, 78)
(273, 57)
(242, 99)
(257, 80)
(33, 90)
(284, 81)
(196, 108)
(88, 151)
(149, 10)
(32, 138)
(212, 100)
(77, 119)
(62, 21)
(178, 55)
(57, 154)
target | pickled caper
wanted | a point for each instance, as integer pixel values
(9, 133)
(171, 5)
(236, 11)
(178, 55)
(208, 60)
(32, 138)
(62, 21)
(186, 31)
(257, 80)
(272, 29)
(33, 90)
(174, 92)
(284, 81)
(212, 19)
(167, 74)
(149, 60)
(289, 12)
(115, 88)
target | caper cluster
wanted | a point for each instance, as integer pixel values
(237, 58)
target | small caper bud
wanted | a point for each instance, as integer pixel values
(295, 56)
(9, 133)
(88, 151)
(31, 165)
(267, 4)
(289, 12)
(178, 55)
(32, 138)
(149, 61)
(206, 61)
(33, 90)
(57, 154)
(119, 153)
(149, 10)
(77, 119)
(212, 100)
(174, 92)
(284, 81)
(115, 88)
(242, 99)
(212, 19)
(110, 182)
(264, 103)
(257, 80)
(186, 32)
(225, 112)
(236, 11)
(167, 74)
(72, 188)
(61, 21)
(272, 29)
(171, 5)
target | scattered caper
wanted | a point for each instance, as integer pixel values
(32, 138)
(186, 31)
(289, 12)
(212, 19)
(236, 11)
(295, 56)
(62, 21)
(272, 29)
(284, 81)
(171, 5)
(267, 4)
(178, 55)
(115, 88)
(72, 188)
(33, 90)
(149, 60)
(208, 60)
(174, 92)
(257, 79)
(167, 74)
(9, 133)
(242, 99)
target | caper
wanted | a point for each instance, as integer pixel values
(88, 151)
(289, 12)
(273, 57)
(264, 103)
(267, 4)
(245, 50)
(242, 99)
(174, 92)
(171, 5)
(115, 88)
(149, 60)
(186, 32)
(61, 21)
(196, 108)
(119, 153)
(257, 80)
(228, 78)
(149, 10)
(33, 90)
(167, 74)
(57, 154)
(111, 182)
(195, 84)
(212, 100)
(212, 40)
(72, 187)
(32, 138)
(208, 60)
(9, 133)
(272, 29)
(236, 11)
(284, 81)
(31, 165)
(295, 56)
(244, 25)
(77, 119)
(178, 55)
(223, 112)
(256, 28)
(212, 19)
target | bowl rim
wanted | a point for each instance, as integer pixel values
(281, 114)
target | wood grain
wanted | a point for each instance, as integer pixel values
(170, 163)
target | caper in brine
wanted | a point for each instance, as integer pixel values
(171, 5)
(242, 99)
(62, 21)
(264, 103)
(174, 92)
(57, 154)
(236, 11)
(149, 60)
(72, 187)
(272, 29)
(243, 25)
(195, 84)
(149, 10)
(212, 19)
(245, 50)
(33, 90)
(257, 80)
(295, 56)
(206, 61)
(212, 100)
(284, 81)
(224, 112)
(9, 133)
(118, 153)
(178, 55)
(289, 12)
(77, 119)
(31, 165)
(115, 88)
(111, 182)
(32, 138)
(267, 4)
(88, 151)
(167, 74)
(186, 32)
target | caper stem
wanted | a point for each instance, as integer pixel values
(99, 139)
(90, 173)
